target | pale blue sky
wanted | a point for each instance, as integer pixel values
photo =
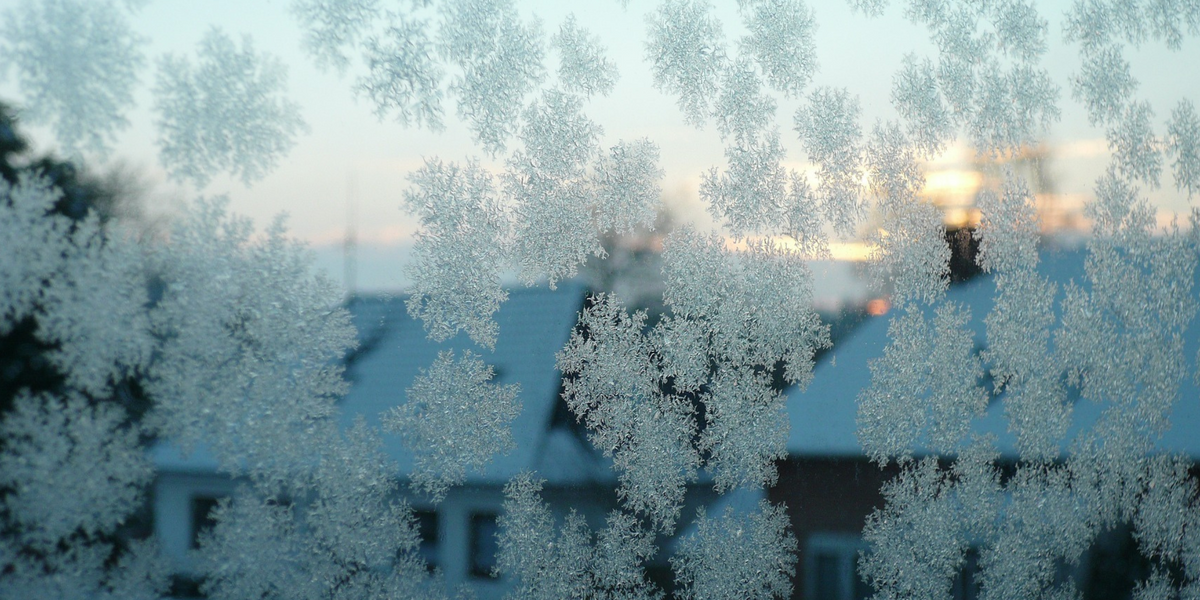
(346, 141)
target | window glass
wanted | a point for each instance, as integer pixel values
(483, 544)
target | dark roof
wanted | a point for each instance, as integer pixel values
(535, 323)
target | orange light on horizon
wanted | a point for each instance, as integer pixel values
(878, 307)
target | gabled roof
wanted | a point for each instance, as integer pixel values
(535, 323)
(823, 417)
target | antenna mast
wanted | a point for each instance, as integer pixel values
(350, 245)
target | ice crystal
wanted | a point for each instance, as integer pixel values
(61, 272)
(686, 51)
(916, 97)
(1008, 228)
(612, 387)
(628, 187)
(402, 75)
(1183, 143)
(752, 193)
(780, 39)
(738, 400)
(463, 230)
(70, 467)
(1104, 85)
(500, 59)
(750, 556)
(225, 113)
(1136, 151)
(831, 134)
(77, 63)
(573, 563)
(924, 390)
(454, 419)
(582, 68)
(335, 528)
(333, 26)
(749, 304)
(73, 472)
(1013, 108)
(548, 179)
(742, 111)
(912, 254)
(251, 341)
(918, 540)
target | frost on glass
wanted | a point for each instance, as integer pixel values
(1183, 145)
(832, 138)
(499, 59)
(612, 386)
(547, 178)
(744, 315)
(335, 530)
(924, 391)
(627, 186)
(737, 556)
(77, 63)
(62, 272)
(403, 76)
(987, 78)
(251, 343)
(459, 253)
(454, 418)
(330, 26)
(225, 113)
(780, 38)
(582, 66)
(73, 471)
(571, 562)
(686, 49)
(917, 98)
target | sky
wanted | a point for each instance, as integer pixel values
(349, 153)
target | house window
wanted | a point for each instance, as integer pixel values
(966, 583)
(202, 517)
(831, 568)
(427, 528)
(483, 544)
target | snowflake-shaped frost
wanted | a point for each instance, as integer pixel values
(500, 60)
(686, 51)
(829, 129)
(332, 25)
(751, 556)
(582, 67)
(780, 39)
(226, 113)
(1183, 143)
(627, 187)
(402, 75)
(463, 230)
(77, 63)
(454, 419)
(611, 385)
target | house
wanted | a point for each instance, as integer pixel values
(829, 485)
(457, 533)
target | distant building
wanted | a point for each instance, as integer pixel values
(830, 487)
(457, 535)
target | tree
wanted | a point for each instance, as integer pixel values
(239, 350)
